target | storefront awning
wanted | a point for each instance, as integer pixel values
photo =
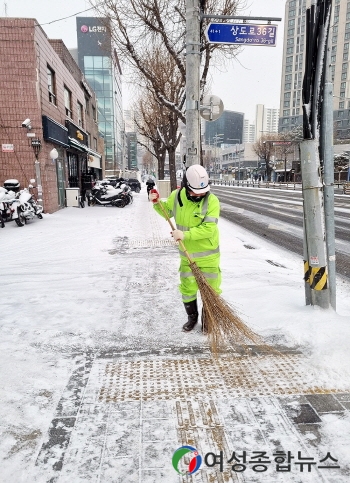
(94, 159)
(77, 145)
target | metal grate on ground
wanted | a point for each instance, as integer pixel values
(230, 376)
(151, 243)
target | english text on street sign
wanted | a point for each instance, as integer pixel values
(242, 34)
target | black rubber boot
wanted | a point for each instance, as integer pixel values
(204, 324)
(192, 312)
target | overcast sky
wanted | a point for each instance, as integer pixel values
(255, 78)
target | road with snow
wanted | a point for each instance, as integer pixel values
(278, 217)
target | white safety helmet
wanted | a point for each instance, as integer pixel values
(197, 179)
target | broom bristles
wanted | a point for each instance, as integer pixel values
(223, 324)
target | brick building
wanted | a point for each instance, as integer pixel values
(40, 81)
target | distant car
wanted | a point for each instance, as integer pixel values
(134, 184)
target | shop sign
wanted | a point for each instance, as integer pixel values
(8, 148)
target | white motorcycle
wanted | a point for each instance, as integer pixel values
(6, 198)
(25, 208)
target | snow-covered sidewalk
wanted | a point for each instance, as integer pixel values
(98, 383)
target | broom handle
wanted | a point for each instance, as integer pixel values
(173, 228)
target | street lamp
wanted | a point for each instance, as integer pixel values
(53, 154)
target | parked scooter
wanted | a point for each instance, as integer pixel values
(6, 197)
(106, 195)
(126, 194)
(24, 207)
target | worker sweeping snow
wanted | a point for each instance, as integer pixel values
(196, 212)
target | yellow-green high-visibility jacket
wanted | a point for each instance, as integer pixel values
(198, 221)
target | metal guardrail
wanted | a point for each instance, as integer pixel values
(272, 184)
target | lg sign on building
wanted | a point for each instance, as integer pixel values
(93, 28)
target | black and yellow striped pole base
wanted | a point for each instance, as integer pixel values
(315, 276)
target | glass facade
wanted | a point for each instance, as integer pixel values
(99, 61)
(98, 72)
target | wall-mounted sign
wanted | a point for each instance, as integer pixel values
(8, 148)
(92, 28)
(76, 132)
(55, 132)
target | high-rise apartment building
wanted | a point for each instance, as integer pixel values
(293, 65)
(99, 61)
(248, 132)
(266, 120)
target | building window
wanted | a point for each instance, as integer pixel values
(345, 56)
(289, 60)
(345, 66)
(286, 104)
(334, 39)
(95, 144)
(87, 107)
(347, 36)
(346, 47)
(290, 32)
(93, 108)
(290, 50)
(347, 26)
(343, 85)
(291, 13)
(288, 86)
(287, 95)
(289, 68)
(68, 102)
(288, 78)
(333, 58)
(51, 85)
(286, 112)
(344, 75)
(291, 23)
(80, 114)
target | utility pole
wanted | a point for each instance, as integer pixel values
(193, 59)
(315, 250)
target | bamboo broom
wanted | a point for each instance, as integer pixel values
(224, 326)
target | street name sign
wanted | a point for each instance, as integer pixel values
(242, 34)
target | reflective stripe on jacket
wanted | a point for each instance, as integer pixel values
(198, 221)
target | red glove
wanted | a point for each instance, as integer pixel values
(154, 196)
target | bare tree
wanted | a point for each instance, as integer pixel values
(147, 30)
(265, 149)
(341, 163)
(150, 123)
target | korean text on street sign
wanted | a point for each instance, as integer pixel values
(242, 34)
